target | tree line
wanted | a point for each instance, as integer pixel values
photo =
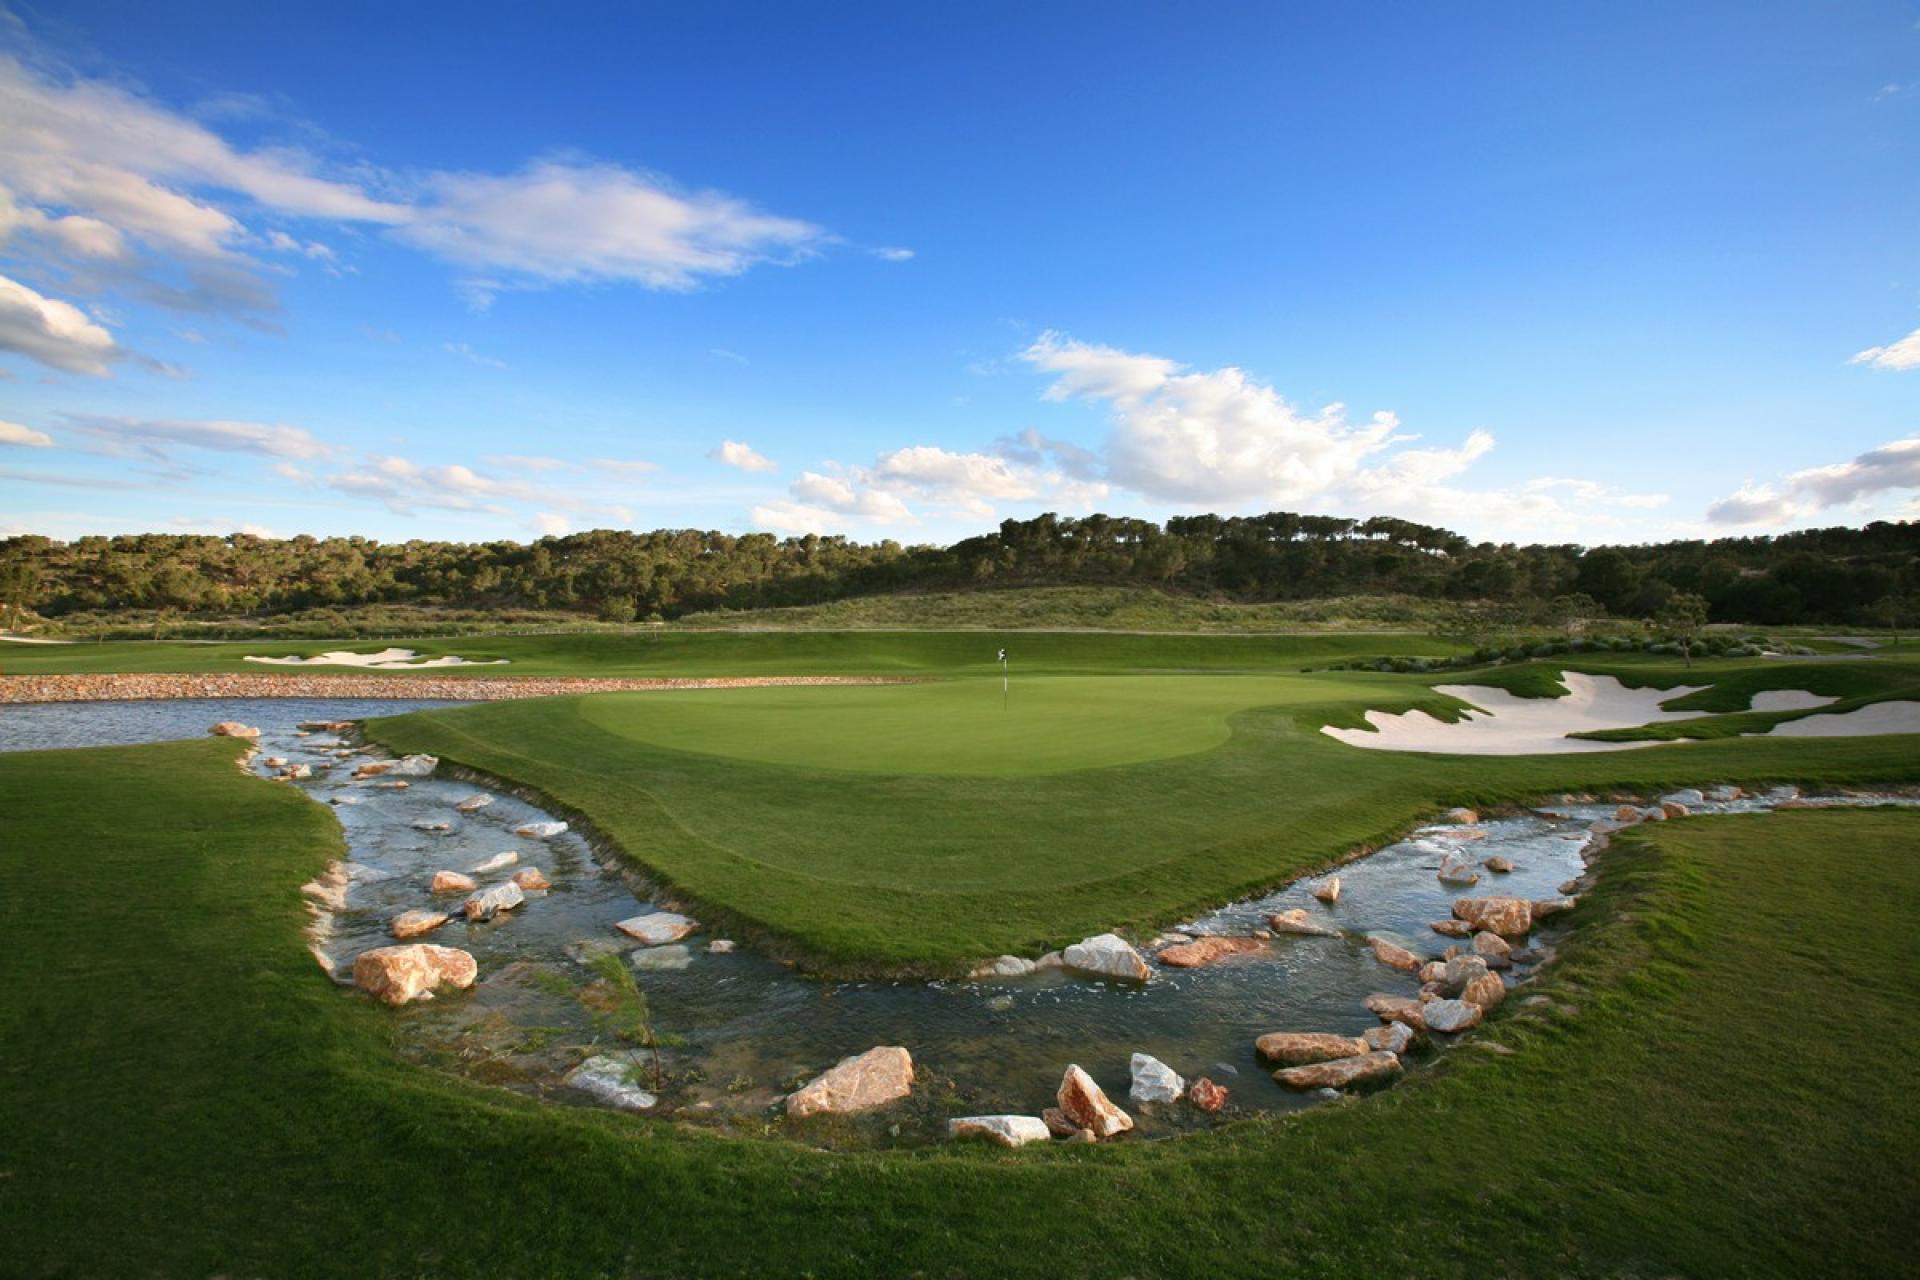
(1838, 576)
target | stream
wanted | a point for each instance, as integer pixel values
(738, 1031)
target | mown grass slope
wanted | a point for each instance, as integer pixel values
(879, 830)
(185, 1094)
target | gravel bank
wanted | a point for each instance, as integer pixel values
(98, 688)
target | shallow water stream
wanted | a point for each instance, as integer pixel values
(738, 1031)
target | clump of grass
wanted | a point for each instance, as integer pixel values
(623, 1013)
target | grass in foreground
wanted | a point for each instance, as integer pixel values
(870, 831)
(184, 1094)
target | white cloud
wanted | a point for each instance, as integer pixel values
(848, 496)
(744, 456)
(405, 487)
(1752, 504)
(1222, 440)
(548, 524)
(1216, 438)
(566, 221)
(969, 481)
(893, 253)
(1901, 355)
(128, 193)
(15, 434)
(158, 438)
(627, 468)
(55, 333)
(782, 516)
(471, 356)
(1892, 467)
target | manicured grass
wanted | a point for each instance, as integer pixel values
(675, 653)
(184, 1093)
(952, 836)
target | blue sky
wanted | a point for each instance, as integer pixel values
(1576, 273)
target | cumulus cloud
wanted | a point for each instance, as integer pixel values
(1891, 468)
(1222, 439)
(1901, 355)
(55, 333)
(904, 486)
(744, 456)
(1213, 438)
(15, 434)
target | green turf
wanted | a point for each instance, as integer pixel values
(970, 726)
(182, 1093)
(872, 831)
(673, 653)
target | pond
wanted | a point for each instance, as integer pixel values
(737, 1031)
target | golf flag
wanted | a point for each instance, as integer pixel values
(1003, 679)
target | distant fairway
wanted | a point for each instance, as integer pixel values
(1050, 724)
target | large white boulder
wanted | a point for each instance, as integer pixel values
(414, 766)
(1084, 1103)
(1298, 921)
(610, 1080)
(396, 975)
(502, 897)
(860, 1083)
(1004, 967)
(1110, 956)
(657, 928)
(539, 830)
(667, 959)
(1452, 1015)
(498, 862)
(1008, 1131)
(1154, 1080)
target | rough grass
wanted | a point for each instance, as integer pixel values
(950, 838)
(184, 1094)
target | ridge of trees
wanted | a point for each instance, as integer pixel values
(1829, 576)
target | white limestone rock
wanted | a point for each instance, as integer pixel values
(1155, 1081)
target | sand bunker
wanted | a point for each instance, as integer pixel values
(1877, 717)
(1504, 725)
(385, 660)
(1788, 700)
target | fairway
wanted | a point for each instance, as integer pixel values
(1047, 724)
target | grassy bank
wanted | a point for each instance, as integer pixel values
(922, 828)
(186, 1095)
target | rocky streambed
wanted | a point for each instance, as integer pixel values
(515, 953)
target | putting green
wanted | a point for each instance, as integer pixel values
(959, 727)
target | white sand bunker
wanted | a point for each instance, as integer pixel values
(1788, 700)
(1862, 722)
(385, 660)
(1504, 725)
